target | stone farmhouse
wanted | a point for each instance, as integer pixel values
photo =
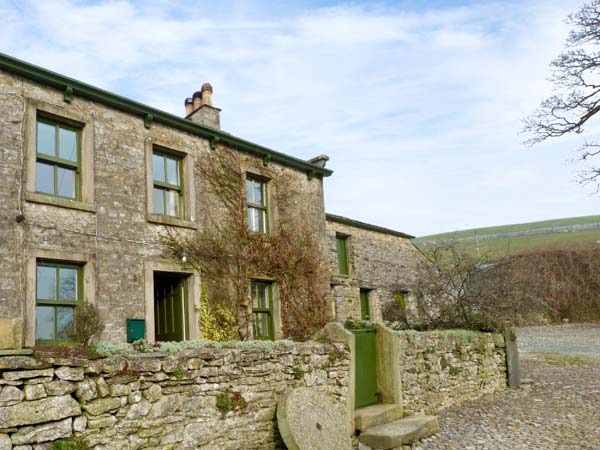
(89, 182)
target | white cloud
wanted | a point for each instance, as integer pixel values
(419, 110)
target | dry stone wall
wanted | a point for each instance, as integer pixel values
(439, 369)
(204, 398)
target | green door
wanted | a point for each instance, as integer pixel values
(365, 311)
(366, 391)
(170, 308)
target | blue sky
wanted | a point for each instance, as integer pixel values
(419, 107)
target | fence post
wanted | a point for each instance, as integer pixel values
(513, 365)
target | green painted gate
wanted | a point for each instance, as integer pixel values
(170, 308)
(366, 391)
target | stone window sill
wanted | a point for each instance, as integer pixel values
(44, 199)
(171, 221)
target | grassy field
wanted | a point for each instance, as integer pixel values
(508, 239)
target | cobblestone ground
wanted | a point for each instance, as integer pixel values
(557, 408)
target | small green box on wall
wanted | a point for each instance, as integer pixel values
(136, 329)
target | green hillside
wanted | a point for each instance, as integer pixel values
(514, 238)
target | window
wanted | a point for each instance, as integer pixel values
(257, 205)
(342, 254)
(58, 290)
(57, 166)
(262, 310)
(167, 184)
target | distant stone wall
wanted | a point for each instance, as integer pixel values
(439, 369)
(205, 398)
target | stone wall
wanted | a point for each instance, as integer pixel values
(111, 230)
(152, 401)
(383, 262)
(439, 369)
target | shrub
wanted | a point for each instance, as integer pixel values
(218, 322)
(87, 324)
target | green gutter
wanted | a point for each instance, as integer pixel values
(72, 87)
(365, 226)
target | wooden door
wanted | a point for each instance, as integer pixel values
(170, 308)
(366, 390)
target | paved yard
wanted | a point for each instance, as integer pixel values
(558, 409)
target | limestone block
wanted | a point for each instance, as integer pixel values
(69, 373)
(153, 393)
(59, 387)
(21, 374)
(86, 390)
(102, 405)
(10, 395)
(102, 387)
(11, 333)
(95, 423)
(38, 411)
(139, 410)
(5, 442)
(43, 433)
(21, 362)
(79, 424)
(119, 390)
(34, 391)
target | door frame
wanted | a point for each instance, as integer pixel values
(193, 291)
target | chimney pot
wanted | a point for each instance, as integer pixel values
(189, 108)
(197, 100)
(207, 91)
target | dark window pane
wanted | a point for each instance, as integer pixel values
(249, 190)
(46, 283)
(46, 139)
(260, 296)
(66, 182)
(44, 178)
(172, 205)
(173, 171)
(67, 144)
(44, 322)
(258, 193)
(159, 201)
(67, 287)
(158, 168)
(64, 319)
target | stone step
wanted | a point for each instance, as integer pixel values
(399, 432)
(373, 415)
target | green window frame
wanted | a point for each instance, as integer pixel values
(59, 289)
(341, 243)
(256, 201)
(262, 310)
(167, 184)
(58, 159)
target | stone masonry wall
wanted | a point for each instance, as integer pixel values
(153, 401)
(381, 263)
(439, 369)
(114, 232)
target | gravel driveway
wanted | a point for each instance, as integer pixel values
(557, 408)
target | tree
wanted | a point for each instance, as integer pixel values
(576, 78)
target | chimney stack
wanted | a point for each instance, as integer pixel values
(199, 108)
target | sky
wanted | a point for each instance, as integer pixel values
(419, 104)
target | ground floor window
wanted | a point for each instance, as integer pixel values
(58, 291)
(262, 309)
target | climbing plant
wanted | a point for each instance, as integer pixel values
(230, 255)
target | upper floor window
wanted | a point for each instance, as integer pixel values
(262, 309)
(58, 160)
(58, 291)
(342, 254)
(167, 184)
(256, 199)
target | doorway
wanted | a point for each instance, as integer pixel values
(170, 307)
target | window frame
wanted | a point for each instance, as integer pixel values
(264, 207)
(165, 186)
(260, 311)
(56, 161)
(343, 258)
(40, 262)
